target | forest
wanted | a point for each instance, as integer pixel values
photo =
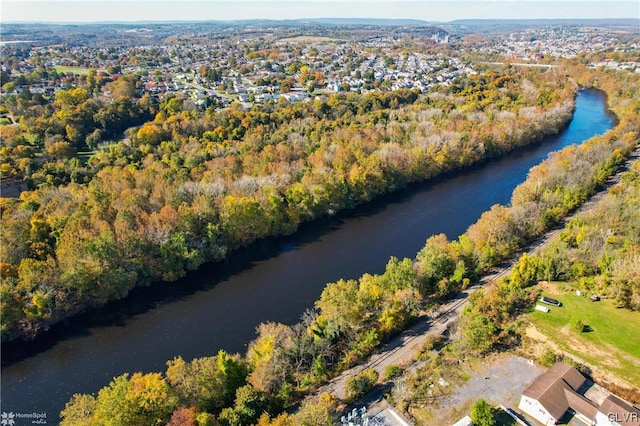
(191, 186)
(597, 253)
(44, 148)
(352, 317)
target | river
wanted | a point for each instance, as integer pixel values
(220, 305)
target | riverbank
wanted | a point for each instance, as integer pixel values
(346, 332)
(135, 226)
(404, 348)
(228, 310)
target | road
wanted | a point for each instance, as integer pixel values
(402, 349)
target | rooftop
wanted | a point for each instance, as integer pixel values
(562, 387)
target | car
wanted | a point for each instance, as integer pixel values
(550, 301)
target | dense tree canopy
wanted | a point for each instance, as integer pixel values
(188, 187)
(352, 316)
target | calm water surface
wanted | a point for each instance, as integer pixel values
(220, 305)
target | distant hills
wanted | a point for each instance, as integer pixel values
(626, 22)
(537, 22)
(256, 22)
(367, 21)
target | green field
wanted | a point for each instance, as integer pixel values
(613, 342)
(73, 70)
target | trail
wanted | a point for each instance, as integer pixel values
(403, 348)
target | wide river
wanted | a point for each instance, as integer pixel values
(220, 305)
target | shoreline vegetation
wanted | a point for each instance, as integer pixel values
(351, 318)
(191, 188)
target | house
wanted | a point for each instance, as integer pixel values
(563, 389)
(614, 411)
(552, 394)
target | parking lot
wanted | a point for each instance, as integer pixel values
(499, 380)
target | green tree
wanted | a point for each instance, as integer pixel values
(173, 106)
(208, 383)
(72, 97)
(142, 399)
(268, 358)
(478, 333)
(9, 87)
(483, 414)
(399, 275)
(93, 139)
(79, 411)
(249, 404)
(91, 78)
(319, 411)
(435, 263)
(242, 219)
(359, 385)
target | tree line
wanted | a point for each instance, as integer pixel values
(188, 186)
(352, 317)
(597, 252)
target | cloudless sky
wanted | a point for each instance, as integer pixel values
(429, 10)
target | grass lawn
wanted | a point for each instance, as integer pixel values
(308, 39)
(73, 70)
(613, 341)
(323, 92)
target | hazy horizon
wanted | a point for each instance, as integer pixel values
(96, 11)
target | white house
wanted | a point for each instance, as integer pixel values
(561, 389)
(615, 412)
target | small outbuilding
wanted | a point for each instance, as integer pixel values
(542, 308)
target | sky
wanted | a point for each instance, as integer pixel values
(428, 10)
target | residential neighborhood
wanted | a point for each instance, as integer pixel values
(259, 67)
(320, 222)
